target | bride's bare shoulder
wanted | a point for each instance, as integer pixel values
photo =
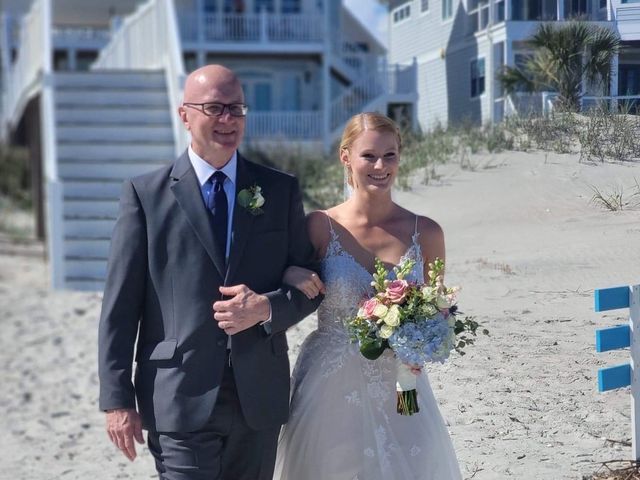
(431, 238)
(319, 230)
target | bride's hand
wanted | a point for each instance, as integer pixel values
(304, 280)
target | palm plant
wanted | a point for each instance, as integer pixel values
(563, 57)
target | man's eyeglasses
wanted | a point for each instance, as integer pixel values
(217, 109)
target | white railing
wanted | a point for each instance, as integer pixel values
(543, 103)
(251, 27)
(618, 103)
(288, 125)
(402, 79)
(73, 35)
(31, 74)
(149, 39)
(386, 80)
(352, 55)
(34, 59)
(355, 98)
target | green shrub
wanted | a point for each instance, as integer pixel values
(15, 175)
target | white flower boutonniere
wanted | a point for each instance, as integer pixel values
(251, 198)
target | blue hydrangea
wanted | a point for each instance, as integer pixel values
(429, 340)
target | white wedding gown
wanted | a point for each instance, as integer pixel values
(343, 423)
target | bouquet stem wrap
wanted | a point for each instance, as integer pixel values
(406, 390)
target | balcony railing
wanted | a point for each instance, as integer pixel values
(480, 16)
(76, 36)
(305, 125)
(258, 28)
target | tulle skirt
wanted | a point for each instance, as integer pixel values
(344, 424)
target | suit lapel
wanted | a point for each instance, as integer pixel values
(242, 218)
(186, 189)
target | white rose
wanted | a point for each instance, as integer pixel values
(380, 311)
(258, 199)
(386, 331)
(392, 318)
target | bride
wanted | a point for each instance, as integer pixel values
(343, 423)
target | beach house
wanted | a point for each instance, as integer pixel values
(91, 87)
(461, 44)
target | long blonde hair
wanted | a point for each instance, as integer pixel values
(366, 121)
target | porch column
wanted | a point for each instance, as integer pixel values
(560, 12)
(507, 10)
(613, 83)
(326, 81)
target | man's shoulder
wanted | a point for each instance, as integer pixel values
(270, 174)
(154, 177)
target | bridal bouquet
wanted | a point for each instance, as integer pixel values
(416, 321)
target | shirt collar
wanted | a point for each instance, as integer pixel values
(204, 170)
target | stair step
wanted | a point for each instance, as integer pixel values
(66, 98)
(107, 151)
(90, 208)
(92, 190)
(93, 248)
(112, 78)
(83, 284)
(123, 115)
(88, 229)
(85, 268)
(115, 133)
(104, 171)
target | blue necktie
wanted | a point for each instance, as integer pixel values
(217, 203)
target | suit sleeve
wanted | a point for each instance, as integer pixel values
(122, 303)
(289, 305)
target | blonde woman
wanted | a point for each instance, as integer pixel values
(343, 423)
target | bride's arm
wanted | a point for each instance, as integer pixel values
(431, 241)
(308, 281)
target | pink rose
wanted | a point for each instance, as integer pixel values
(397, 290)
(369, 307)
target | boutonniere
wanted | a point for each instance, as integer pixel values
(251, 198)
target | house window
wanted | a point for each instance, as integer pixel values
(210, 6)
(258, 90)
(424, 5)
(291, 6)
(84, 59)
(260, 5)
(61, 60)
(447, 9)
(477, 77)
(402, 14)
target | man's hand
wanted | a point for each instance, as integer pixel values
(243, 310)
(123, 425)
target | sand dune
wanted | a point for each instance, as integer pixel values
(524, 243)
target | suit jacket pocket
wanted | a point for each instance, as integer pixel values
(159, 351)
(279, 344)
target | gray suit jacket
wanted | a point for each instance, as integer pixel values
(163, 277)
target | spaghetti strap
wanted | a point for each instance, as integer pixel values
(415, 230)
(330, 224)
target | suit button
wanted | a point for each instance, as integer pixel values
(221, 342)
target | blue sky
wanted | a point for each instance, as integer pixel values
(371, 14)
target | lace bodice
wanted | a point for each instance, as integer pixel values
(347, 282)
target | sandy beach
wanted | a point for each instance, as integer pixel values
(528, 249)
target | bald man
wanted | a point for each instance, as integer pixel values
(194, 284)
